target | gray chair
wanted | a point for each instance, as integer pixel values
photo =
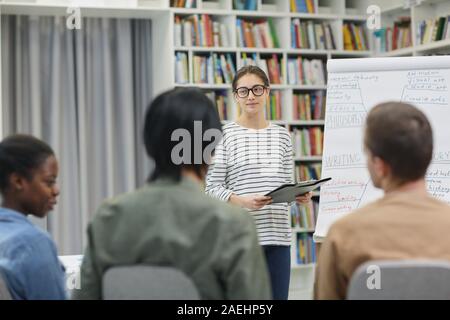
(147, 283)
(401, 280)
(4, 291)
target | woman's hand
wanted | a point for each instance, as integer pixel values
(304, 198)
(252, 202)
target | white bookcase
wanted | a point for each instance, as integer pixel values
(426, 9)
(335, 12)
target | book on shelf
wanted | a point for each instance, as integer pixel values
(273, 67)
(188, 4)
(181, 68)
(401, 33)
(308, 106)
(248, 59)
(302, 6)
(245, 5)
(303, 71)
(354, 37)
(213, 69)
(310, 171)
(398, 36)
(304, 215)
(307, 141)
(201, 70)
(220, 99)
(305, 249)
(311, 35)
(256, 34)
(200, 30)
(431, 30)
(273, 107)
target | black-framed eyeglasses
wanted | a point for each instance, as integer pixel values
(257, 91)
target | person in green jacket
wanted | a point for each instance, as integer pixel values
(171, 221)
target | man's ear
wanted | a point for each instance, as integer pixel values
(382, 168)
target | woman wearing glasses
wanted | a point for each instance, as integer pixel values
(253, 158)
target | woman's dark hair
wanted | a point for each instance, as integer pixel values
(257, 71)
(401, 135)
(185, 110)
(21, 154)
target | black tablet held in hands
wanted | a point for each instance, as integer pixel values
(288, 192)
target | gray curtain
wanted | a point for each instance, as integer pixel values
(84, 92)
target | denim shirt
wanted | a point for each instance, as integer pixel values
(28, 260)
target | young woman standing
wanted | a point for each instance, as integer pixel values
(253, 158)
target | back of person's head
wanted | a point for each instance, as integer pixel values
(400, 135)
(181, 129)
(21, 154)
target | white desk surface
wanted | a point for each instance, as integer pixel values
(71, 262)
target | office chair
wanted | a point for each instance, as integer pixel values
(401, 280)
(4, 291)
(147, 283)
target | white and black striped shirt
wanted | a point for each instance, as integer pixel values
(249, 161)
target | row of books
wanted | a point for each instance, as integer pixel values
(181, 68)
(354, 37)
(214, 69)
(308, 171)
(256, 34)
(271, 65)
(273, 107)
(305, 249)
(244, 4)
(220, 99)
(305, 71)
(200, 30)
(312, 35)
(307, 141)
(304, 215)
(396, 37)
(433, 30)
(250, 59)
(183, 4)
(304, 6)
(309, 106)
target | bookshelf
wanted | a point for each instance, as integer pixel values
(424, 21)
(193, 60)
(289, 53)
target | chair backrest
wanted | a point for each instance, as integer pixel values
(4, 291)
(147, 283)
(401, 280)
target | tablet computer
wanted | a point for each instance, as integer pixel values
(288, 192)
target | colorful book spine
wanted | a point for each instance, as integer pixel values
(200, 30)
(305, 249)
(220, 99)
(309, 106)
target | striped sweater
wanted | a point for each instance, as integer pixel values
(249, 161)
